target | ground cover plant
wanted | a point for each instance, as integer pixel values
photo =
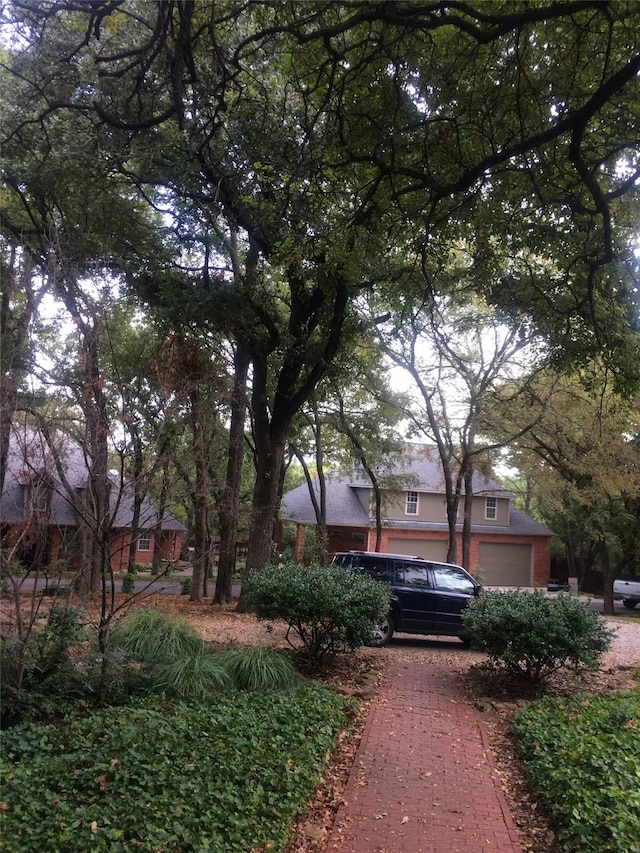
(581, 757)
(227, 776)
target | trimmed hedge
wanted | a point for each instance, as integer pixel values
(329, 609)
(531, 635)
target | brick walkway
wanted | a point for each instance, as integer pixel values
(423, 780)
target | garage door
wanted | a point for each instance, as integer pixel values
(505, 565)
(430, 550)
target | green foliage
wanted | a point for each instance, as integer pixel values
(329, 608)
(531, 635)
(37, 674)
(259, 668)
(128, 582)
(192, 676)
(581, 756)
(154, 637)
(226, 776)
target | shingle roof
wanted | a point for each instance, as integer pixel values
(343, 506)
(420, 466)
(29, 457)
(345, 509)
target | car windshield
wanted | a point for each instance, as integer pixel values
(453, 579)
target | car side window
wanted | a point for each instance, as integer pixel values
(377, 569)
(412, 575)
(452, 579)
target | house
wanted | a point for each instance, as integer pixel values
(508, 548)
(38, 523)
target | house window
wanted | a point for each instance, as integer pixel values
(144, 543)
(40, 496)
(412, 503)
(491, 508)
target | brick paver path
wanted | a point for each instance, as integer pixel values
(423, 780)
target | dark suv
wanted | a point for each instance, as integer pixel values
(426, 597)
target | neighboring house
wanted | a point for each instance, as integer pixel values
(508, 548)
(38, 521)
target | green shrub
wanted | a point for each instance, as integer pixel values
(185, 586)
(582, 759)
(532, 635)
(259, 669)
(128, 582)
(37, 672)
(329, 608)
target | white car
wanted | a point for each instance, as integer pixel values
(627, 590)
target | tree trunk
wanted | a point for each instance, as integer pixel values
(200, 501)
(228, 510)
(160, 508)
(466, 523)
(14, 335)
(265, 499)
(138, 497)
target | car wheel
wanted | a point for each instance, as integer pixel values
(382, 633)
(629, 603)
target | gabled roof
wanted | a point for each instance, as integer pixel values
(30, 459)
(343, 506)
(420, 469)
(346, 510)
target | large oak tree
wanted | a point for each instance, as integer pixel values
(333, 137)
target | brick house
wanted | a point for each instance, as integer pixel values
(38, 523)
(508, 547)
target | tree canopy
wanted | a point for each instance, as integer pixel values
(260, 166)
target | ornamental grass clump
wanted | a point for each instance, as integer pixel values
(175, 662)
(165, 654)
(259, 668)
(530, 635)
(151, 637)
(192, 677)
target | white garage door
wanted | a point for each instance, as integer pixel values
(430, 550)
(505, 565)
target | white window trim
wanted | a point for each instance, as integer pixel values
(494, 508)
(144, 539)
(407, 503)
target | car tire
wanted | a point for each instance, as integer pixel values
(629, 603)
(382, 633)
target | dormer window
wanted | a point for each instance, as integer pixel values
(412, 503)
(491, 509)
